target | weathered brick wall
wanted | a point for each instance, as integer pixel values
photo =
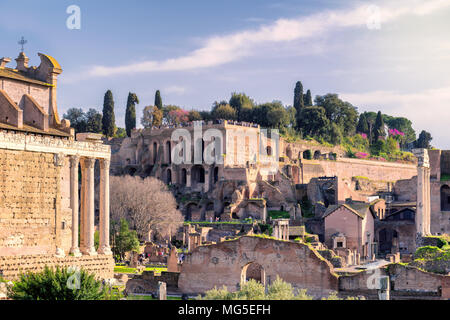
(147, 282)
(222, 264)
(34, 203)
(348, 168)
(404, 278)
(12, 266)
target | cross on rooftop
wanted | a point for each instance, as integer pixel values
(22, 42)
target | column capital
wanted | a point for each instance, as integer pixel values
(104, 163)
(88, 162)
(74, 160)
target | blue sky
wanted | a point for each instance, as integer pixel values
(392, 56)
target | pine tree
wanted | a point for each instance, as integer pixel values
(363, 125)
(379, 127)
(158, 100)
(130, 113)
(298, 101)
(108, 120)
(308, 99)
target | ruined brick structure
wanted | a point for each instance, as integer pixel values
(227, 263)
(238, 183)
(41, 208)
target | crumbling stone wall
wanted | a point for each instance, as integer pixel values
(12, 266)
(222, 264)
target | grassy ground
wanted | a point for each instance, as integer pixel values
(125, 269)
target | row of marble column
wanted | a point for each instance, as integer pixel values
(84, 212)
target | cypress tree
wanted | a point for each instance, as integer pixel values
(363, 125)
(308, 99)
(298, 101)
(379, 127)
(130, 113)
(158, 100)
(108, 120)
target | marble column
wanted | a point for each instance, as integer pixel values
(104, 247)
(423, 192)
(74, 161)
(89, 206)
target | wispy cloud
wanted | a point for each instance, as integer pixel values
(219, 50)
(175, 90)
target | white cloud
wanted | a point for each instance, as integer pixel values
(175, 89)
(218, 50)
(428, 109)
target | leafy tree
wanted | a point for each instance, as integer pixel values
(363, 125)
(77, 119)
(379, 130)
(108, 120)
(339, 112)
(307, 99)
(178, 116)
(206, 115)
(334, 134)
(243, 106)
(314, 121)
(59, 284)
(130, 113)
(124, 240)
(158, 100)
(194, 115)
(147, 116)
(157, 117)
(120, 133)
(277, 116)
(424, 140)
(223, 110)
(93, 121)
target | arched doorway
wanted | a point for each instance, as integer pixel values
(168, 152)
(255, 271)
(216, 174)
(198, 174)
(183, 177)
(317, 155)
(269, 151)
(155, 152)
(445, 198)
(190, 208)
(168, 176)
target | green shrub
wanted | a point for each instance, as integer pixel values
(59, 284)
(279, 214)
(280, 290)
(427, 253)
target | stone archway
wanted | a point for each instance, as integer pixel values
(445, 198)
(317, 155)
(255, 271)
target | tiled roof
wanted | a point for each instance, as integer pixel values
(30, 129)
(17, 75)
(360, 209)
